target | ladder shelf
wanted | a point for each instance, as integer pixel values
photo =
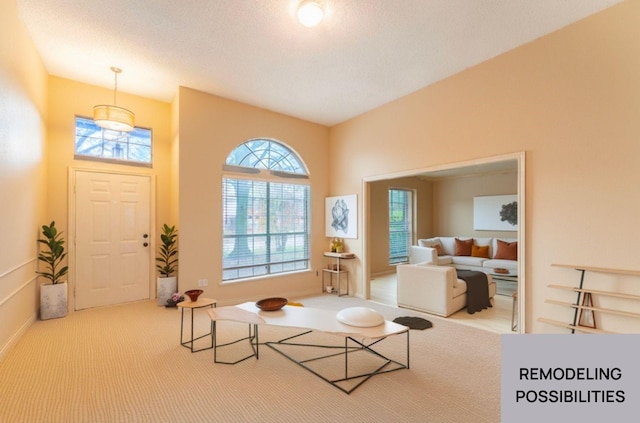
(583, 304)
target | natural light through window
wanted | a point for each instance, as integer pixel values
(265, 216)
(400, 224)
(95, 143)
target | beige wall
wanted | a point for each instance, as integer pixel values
(571, 101)
(23, 119)
(174, 198)
(210, 128)
(453, 203)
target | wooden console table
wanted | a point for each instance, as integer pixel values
(584, 299)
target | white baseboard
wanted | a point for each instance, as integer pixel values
(17, 335)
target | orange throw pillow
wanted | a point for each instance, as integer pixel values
(439, 249)
(507, 250)
(480, 251)
(463, 248)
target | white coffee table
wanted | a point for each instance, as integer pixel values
(356, 339)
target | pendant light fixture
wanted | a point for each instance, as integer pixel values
(114, 117)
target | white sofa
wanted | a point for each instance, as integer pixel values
(427, 252)
(433, 289)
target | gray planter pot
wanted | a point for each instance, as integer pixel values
(166, 288)
(53, 301)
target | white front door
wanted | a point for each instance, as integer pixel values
(112, 242)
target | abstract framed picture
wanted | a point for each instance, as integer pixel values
(495, 213)
(341, 216)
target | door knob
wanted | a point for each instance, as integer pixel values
(146, 244)
(145, 236)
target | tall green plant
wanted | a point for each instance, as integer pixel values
(167, 259)
(53, 255)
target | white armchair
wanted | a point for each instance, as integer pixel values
(433, 289)
(423, 255)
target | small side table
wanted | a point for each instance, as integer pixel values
(336, 271)
(506, 283)
(193, 305)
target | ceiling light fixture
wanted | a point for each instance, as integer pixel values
(114, 117)
(310, 13)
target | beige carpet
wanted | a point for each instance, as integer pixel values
(125, 364)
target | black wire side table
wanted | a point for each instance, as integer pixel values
(193, 305)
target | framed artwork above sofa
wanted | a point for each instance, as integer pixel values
(495, 213)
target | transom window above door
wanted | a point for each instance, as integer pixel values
(95, 143)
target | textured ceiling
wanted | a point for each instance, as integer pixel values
(364, 54)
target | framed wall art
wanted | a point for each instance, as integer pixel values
(495, 213)
(341, 216)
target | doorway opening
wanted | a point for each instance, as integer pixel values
(437, 217)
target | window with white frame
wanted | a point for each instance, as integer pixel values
(400, 224)
(95, 143)
(265, 208)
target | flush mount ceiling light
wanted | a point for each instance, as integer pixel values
(310, 13)
(114, 117)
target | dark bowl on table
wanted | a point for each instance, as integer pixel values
(193, 294)
(271, 304)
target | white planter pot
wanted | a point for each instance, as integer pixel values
(166, 288)
(53, 301)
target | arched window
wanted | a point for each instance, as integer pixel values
(266, 154)
(265, 210)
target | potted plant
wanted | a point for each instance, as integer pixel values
(53, 295)
(167, 262)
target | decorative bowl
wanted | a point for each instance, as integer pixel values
(271, 304)
(501, 270)
(193, 294)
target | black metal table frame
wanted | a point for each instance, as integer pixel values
(344, 350)
(253, 341)
(189, 343)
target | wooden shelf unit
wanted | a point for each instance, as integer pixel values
(582, 293)
(570, 326)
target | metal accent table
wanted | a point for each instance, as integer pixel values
(508, 282)
(337, 271)
(193, 305)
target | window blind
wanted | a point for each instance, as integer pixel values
(400, 225)
(265, 228)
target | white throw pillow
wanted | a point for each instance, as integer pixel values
(429, 242)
